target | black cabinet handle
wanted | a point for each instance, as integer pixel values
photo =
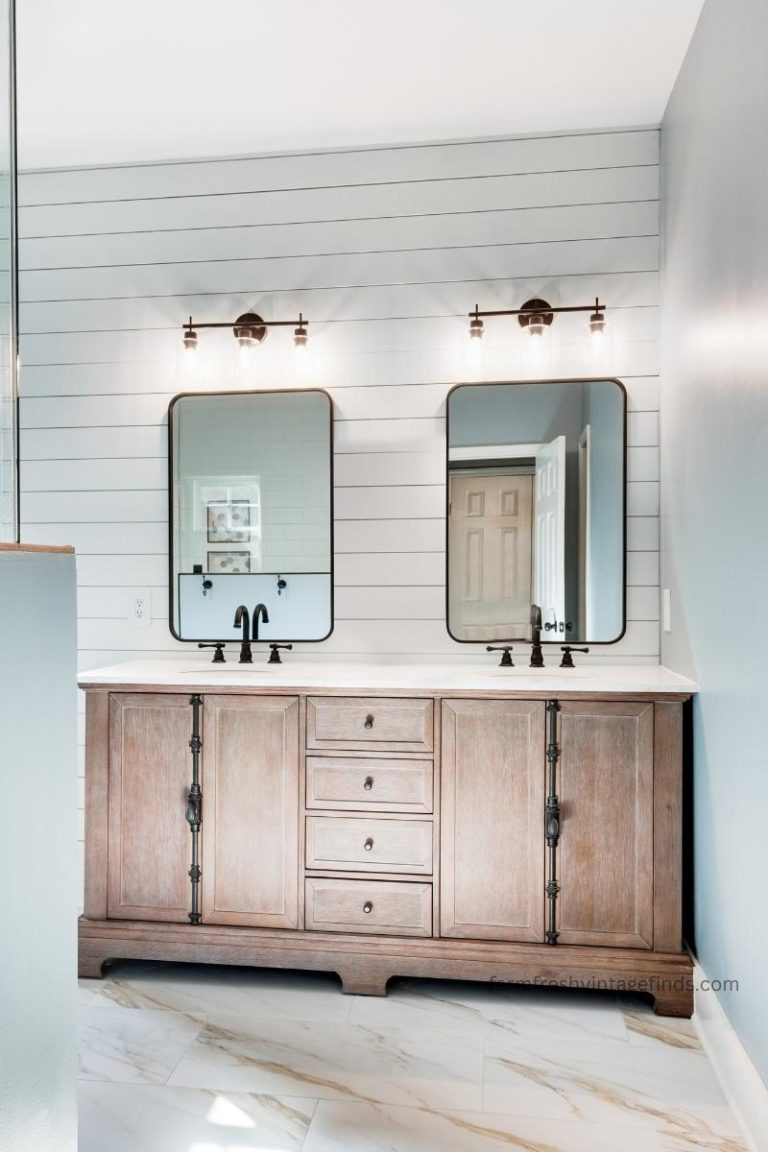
(368, 845)
(368, 784)
(368, 722)
(367, 907)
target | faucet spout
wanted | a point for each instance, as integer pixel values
(259, 613)
(243, 620)
(537, 656)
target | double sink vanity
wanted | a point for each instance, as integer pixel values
(463, 820)
(374, 821)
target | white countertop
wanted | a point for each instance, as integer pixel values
(297, 675)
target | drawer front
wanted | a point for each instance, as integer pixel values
(383, 724)
(381, 907)
(367, 845)
(369, 785)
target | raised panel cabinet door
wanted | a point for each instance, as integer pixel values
(250, 853)
(605, 786)
(492, 820)
(150, 771)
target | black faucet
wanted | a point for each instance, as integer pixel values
(537, 656)
(243, 619)
(259, 613)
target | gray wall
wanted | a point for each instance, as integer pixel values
(715, 478)
(38, 855)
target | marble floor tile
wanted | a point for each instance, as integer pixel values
(492, 1008)
(335, 1061)
(660, 1087)
(203, 990)
(87, 991)
(135, 1046)
(645, 1028)
(383, 1128)
(138, 1118)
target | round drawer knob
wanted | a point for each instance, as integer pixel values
(369, 722)
(368, 783)
(368, 845)
(368, 906)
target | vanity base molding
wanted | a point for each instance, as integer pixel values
(365, 965)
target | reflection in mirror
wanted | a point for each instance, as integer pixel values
(251, 513)
(536, 475)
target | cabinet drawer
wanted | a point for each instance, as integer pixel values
(369, 785)
(381, 724)
(367, 845)
(378, 906)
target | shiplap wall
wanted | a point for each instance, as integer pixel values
(385, 251)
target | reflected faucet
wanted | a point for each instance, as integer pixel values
(259, 613)
(242, 619)
(537, 656)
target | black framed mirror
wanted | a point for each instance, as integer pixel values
(536, 511)
(250, 483)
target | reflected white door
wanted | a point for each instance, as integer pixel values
(549, 532)
(490, 556)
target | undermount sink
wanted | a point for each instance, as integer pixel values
(204, 669)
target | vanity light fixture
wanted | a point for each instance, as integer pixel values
(536, 316)
(300, 335)
(249, 330)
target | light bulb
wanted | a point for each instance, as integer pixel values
(598, 323)
(536, 326)
(300, 335)
(476, 326)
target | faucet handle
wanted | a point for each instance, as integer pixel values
(274, 655)
(567, 660)
(218, 656)
(506, 660)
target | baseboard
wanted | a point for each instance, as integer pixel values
(740, 1080)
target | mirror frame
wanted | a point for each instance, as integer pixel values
(556, 380)
(332, 517)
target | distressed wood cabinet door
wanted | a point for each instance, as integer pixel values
(605, 785)
(150, 769)
(492, 820)
(250, 854)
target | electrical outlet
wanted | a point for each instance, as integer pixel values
(141, 607)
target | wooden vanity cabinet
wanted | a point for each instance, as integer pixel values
(148, 854)
(492, 846)
(488, 836)
(250, 782)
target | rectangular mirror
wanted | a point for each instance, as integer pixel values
(251, 513)
(536, 511)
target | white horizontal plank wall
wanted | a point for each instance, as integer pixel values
(385, 251)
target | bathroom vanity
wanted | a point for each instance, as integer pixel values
(465, 822)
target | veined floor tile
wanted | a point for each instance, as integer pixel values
(382, 1128)
(645, 1028)
(335, 1061)
(87, 991)
(133, 1118)
(132, 1046)
(658, 1087)
(200, 991)
(488, 1009)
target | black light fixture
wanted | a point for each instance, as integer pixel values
(475, 325)
(300, 335)
(249, 330)
(537, 315)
